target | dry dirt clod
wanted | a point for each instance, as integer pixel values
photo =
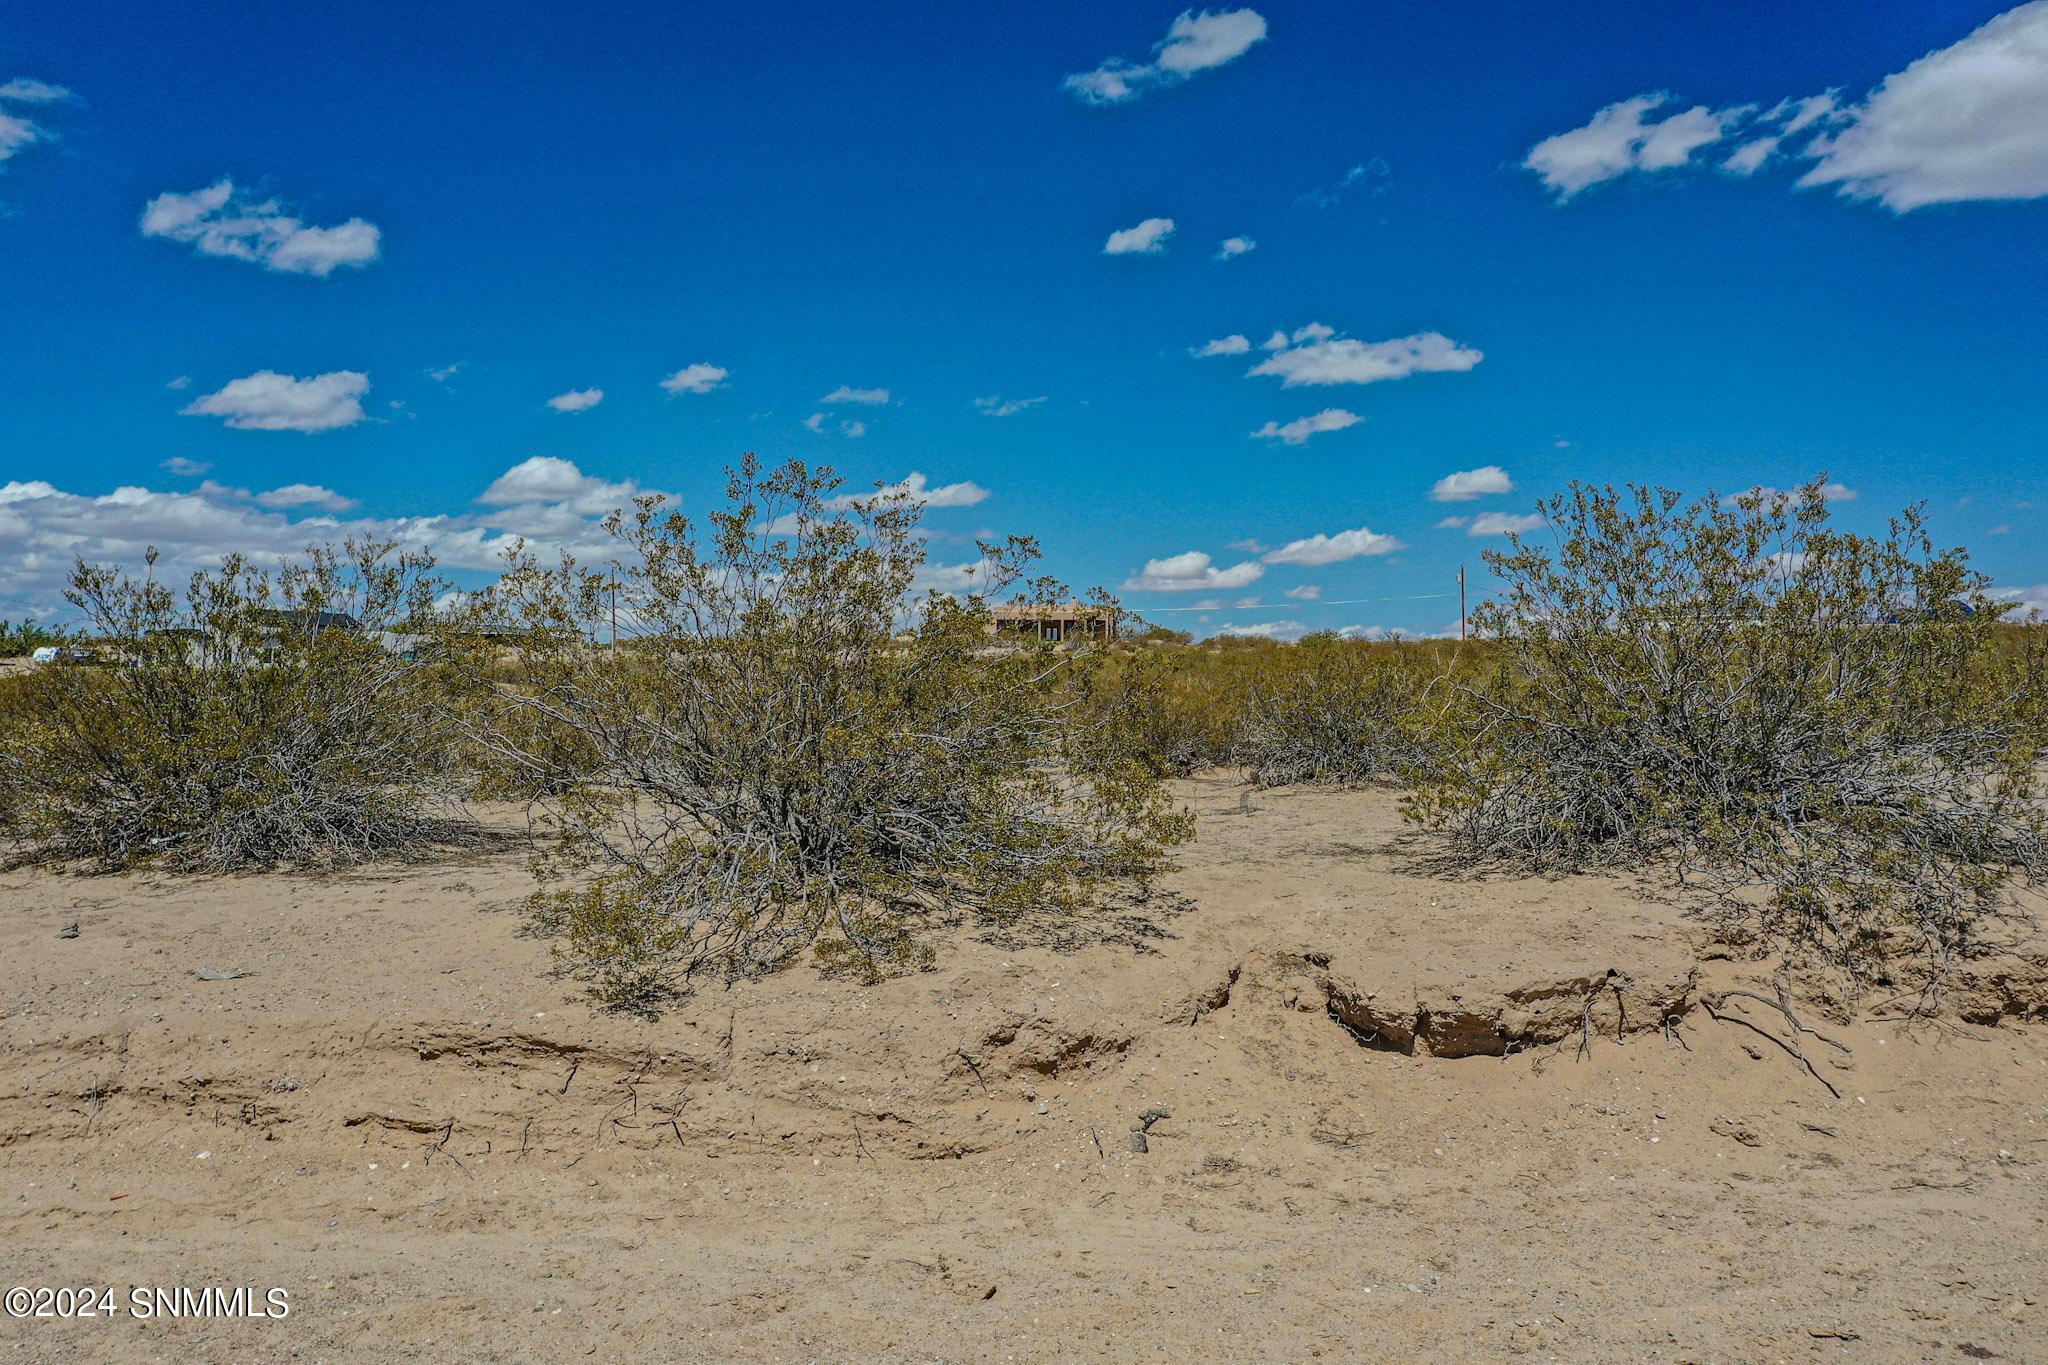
(68, 931)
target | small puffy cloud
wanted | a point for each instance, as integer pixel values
(1307, 592)
(1325, 549)
(441, 374)
(1451, 523)
(815, 423)
(1795, 116)
(1146, 239)
(1193, 43)
(697, 378)
(1300, 429)
(1192, 571)
(1968, 122)
(1331, 359)
(994, 405)
(1829, 492)
(1503, 524)
(183, 381)
(222, 221)
(843, 394)
(184, 468)
(1618, 141)
(305, 495)
(544, 479)
(853, 430)
(16, 130)
(918, 489)
(576, 400)
(1234, 246)
(1230, 345)
(1750, 157)
(1263, 630)
(1275, 342)
(269, 401)
(1468, 484)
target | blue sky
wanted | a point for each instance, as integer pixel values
(436, 220)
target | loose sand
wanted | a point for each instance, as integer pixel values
(1383, 1135)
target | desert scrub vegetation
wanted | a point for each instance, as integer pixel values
(1177, 706)
(783, 741)
(253, 719)
(1835, 730)
(18, 638)
(1330, 710)
(1324, 709)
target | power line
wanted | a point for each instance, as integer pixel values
(1296, 606)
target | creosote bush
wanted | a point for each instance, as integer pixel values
(1838, 723)
(1333, 711)
(253, 720)
(789, 746)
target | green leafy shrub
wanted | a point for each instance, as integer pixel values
(254, 720)
(793, 749)
(1839, 722)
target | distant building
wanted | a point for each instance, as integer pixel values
(1057, 623)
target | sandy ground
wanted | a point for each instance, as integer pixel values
(1382, 1134)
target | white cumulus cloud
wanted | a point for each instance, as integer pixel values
(1230, 345)
(1618, 140)
(843, 394)
(1967, 122)
(919, 489)
(1306, 592)
(1146, 239)
(545, 479)
(1234, 246)
(1829, 492)
(1331, 359)
(17, 130)
(1468, 484)
(1300, 429)
(269, 401)
(220, 220)
(305, 495)
(1750, 157)
(1327, 549)
(1193, 43)
(1192, 571)
(697, 378)
(576, 400)
(43, 528)
(1503, 523)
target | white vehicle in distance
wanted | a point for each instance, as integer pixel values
(59, 654)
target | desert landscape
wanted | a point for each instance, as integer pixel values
(1374, 1126)
(1079, 682)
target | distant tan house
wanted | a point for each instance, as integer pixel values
(1057, 623)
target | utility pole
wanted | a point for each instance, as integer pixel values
(1461, 604)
